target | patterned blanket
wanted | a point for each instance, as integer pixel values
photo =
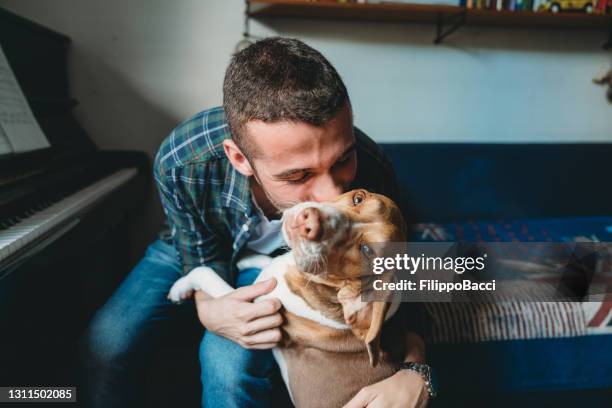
(472, 322)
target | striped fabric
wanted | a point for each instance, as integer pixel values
(473, 322)
(207, 203)
(514, 320)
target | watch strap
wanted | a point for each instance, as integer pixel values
(424, 370)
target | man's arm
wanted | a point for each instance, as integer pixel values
(195, 242)
(233, 316)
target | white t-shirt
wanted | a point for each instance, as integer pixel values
(266, 236)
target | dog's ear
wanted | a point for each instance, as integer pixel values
(372, 339)
(366, 320)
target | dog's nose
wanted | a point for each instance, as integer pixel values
(308, 223)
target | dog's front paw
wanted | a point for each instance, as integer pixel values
(181, 290)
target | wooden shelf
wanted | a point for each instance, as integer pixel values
(400, 12)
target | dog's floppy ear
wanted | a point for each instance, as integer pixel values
(372, 339)
(366, 320)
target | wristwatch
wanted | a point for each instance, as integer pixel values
(425, 372)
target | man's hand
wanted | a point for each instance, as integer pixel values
(405, 389)
(236, 317)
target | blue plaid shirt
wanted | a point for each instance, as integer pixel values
(208, 204)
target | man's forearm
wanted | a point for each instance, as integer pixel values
(201, 295)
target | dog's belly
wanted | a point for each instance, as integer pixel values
(324, 379)
(325, 367)
(322, 363)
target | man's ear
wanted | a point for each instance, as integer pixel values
(237, 158)
(366, 320)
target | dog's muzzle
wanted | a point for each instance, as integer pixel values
(312, 230)
(313, 222)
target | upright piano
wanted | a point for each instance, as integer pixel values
(64, 212)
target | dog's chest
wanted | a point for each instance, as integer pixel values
(291, 302)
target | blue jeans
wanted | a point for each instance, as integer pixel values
(138, 316)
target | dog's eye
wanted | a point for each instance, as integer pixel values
(367, 251)
(358, 198)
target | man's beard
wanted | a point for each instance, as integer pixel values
(278, 205)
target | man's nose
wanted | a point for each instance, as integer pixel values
(308, 223)
(327, 189)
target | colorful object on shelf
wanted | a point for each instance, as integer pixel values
(509, 5)
(556, 6)
(603, 6)
(553, 6)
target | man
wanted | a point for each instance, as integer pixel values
(284, 135)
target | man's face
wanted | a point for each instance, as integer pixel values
(296, 162)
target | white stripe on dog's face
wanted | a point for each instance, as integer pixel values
(311, 254)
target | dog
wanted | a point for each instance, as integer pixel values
(333, 343)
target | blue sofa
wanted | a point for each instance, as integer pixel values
(505, 192)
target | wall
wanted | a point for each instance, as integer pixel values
(139, 67)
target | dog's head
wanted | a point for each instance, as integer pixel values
(332, 240)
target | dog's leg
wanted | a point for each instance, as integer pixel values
(253, 261)
(200, 278)
(206, 279)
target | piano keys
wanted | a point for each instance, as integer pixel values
(20, 236)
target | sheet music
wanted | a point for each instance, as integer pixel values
(19, 131)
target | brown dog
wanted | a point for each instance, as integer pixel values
(326, 364)
(333, 342)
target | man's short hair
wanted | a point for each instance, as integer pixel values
(280, 79)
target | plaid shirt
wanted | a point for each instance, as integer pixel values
(208, 204)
